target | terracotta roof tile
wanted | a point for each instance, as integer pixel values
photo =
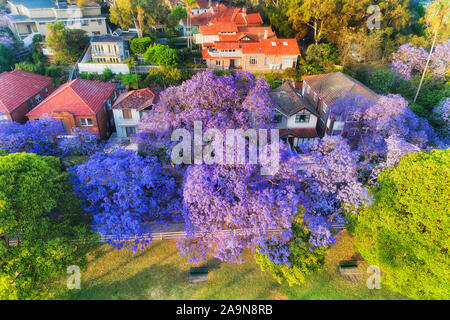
(79, 97)
(18, 86)
(137, 99)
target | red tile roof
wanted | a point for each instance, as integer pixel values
(272, 47)
(79, 97)
(137, 99)
(18, 86)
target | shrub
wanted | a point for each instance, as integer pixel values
(140, 45)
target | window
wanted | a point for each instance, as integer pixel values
(217, 62)
(30, 104)
(63, 124)
(325, 108)
(86, 122)
(126, 113)
(84, 22)
(302, 118)
(307, 89)
(38, 98)
(100, 22)
(108, 103)
(3, 117)
(315, 96)
(130, 131)
(277, 118)
(46, 91)
(266, 61)
(253, 60)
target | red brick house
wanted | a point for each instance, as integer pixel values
(81, 103)
(20, 92)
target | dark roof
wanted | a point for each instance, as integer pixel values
(137, 99)
(299, 132)
(331, 86)
(289, 101)
(106, 38)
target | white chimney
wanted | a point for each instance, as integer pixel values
(265, 34)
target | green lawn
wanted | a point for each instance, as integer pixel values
(160, 273)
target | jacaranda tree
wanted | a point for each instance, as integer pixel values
(127, 195)
(37, 136)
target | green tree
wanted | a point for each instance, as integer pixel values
(31, 187)
(323, 55)
(406, 230)
(303, 261)
(7, 58)
(67, 44)
(140, 45)
(381, 81)
(165, 76)
(159, 54)
(177, 13)
(138, 13)
(130, 81)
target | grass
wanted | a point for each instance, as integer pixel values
(160, 273)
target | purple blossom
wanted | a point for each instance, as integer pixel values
(127, 195)
(37, 136)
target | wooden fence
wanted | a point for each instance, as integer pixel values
(162, 235)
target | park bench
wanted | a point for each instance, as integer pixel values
(349, 270)
(198, 275)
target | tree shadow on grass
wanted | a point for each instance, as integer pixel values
(156, 282)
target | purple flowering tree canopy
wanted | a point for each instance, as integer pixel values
(127, 195)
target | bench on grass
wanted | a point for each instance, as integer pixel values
(349, 270)
(198, 275)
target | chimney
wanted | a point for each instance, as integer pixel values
(244, 11)
(209, 4)
(265, 34)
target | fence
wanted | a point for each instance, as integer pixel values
(163, 235)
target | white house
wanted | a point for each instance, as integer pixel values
(129, 108)
(294, 116)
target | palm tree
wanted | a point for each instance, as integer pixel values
(190, 4)
(437, 16)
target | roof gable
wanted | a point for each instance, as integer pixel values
(137, 99)
(79, 97)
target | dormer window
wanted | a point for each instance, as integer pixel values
(285, 43)
(274, 43)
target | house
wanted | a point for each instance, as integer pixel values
(30, 17)
(129, 108)
(108, 48)
(234, 39)
(20, 92)
(322, 90)
(107, 51)
(81, 103)
(295, 117)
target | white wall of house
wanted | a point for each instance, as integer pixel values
(122, 123)
(291, 122)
